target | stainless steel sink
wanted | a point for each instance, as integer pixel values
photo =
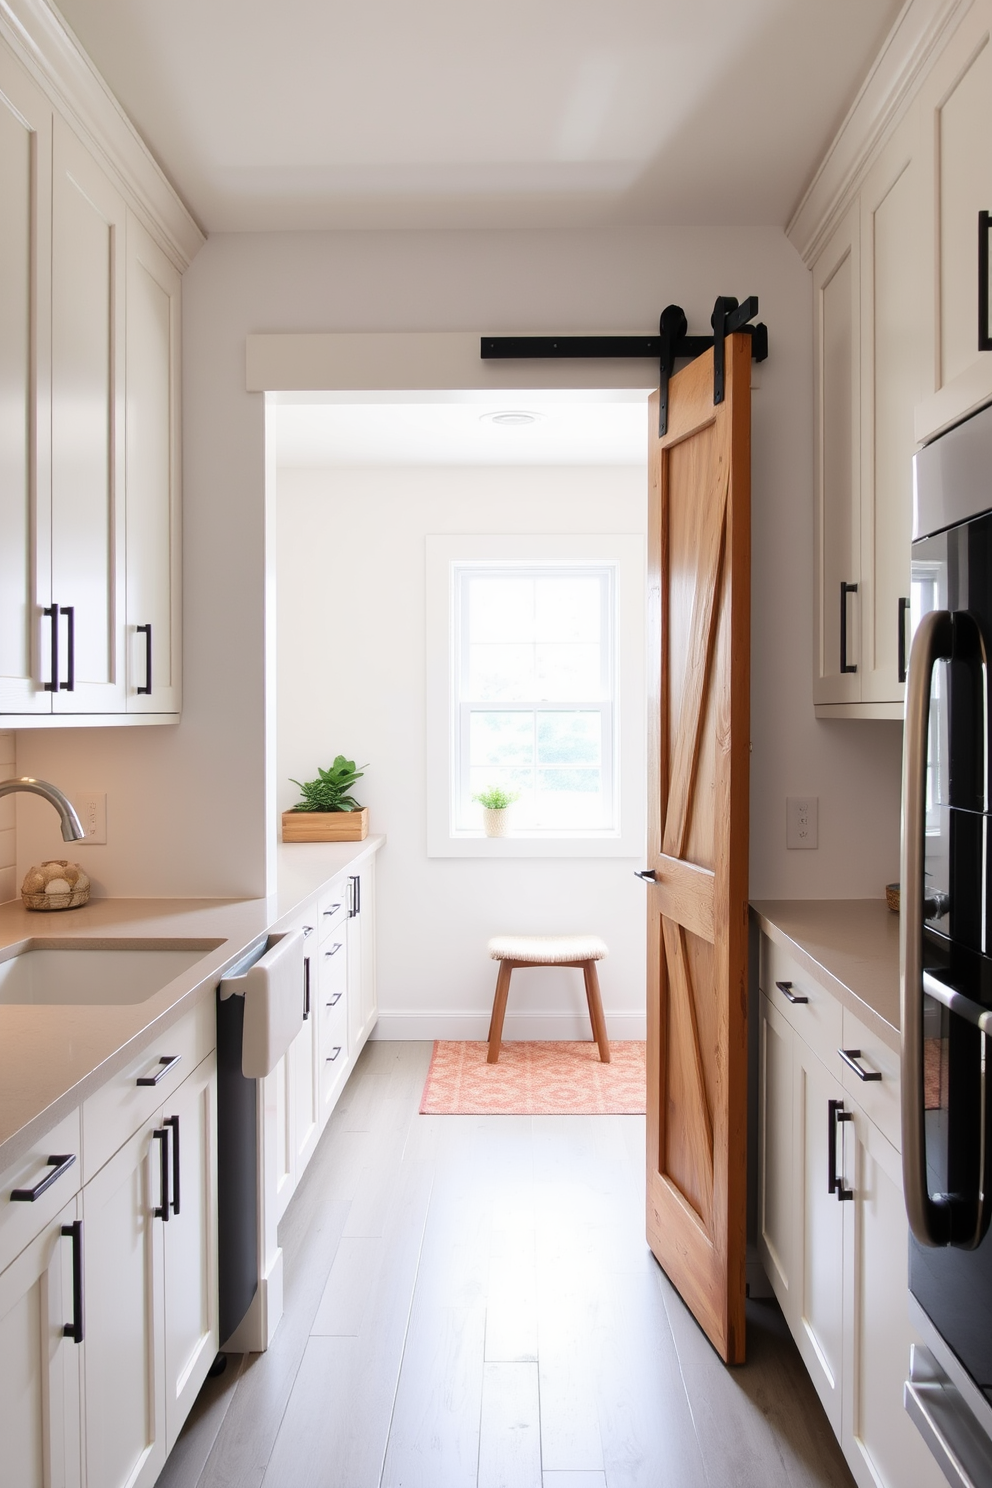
(80, 976)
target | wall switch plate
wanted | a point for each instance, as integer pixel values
(91, 807)
(801, 813)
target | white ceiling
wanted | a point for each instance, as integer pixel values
(449, 113)
(571, 429)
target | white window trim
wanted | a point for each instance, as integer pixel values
(626, 553)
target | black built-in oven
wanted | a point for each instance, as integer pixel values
(946, 951)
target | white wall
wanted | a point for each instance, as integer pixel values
(351, 658)
(189, 802)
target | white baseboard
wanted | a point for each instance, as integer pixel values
(474, 1025)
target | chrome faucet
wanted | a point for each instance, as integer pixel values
(72, 827)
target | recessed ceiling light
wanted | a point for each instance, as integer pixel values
(512, 418)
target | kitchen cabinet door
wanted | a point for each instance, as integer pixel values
(88, 360)
(304, 1073)
(956, 101)
(39, 1365)
(25, 338)
(153, 464)
(894, 286)
(837, 534)
(190, 1244)
(820, 1230)
(880, 1442)
(124, 1347)
(280, 1153)
(777, 1155)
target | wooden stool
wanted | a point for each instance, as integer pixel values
(512, 951)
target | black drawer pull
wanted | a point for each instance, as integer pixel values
(786, 990)
(334, 949)
(984, 224)
(306, 988)
(161, 1134)
(173, 1121)
(851, 1057)
(75, 1329)
(835, 1183)
(58, 1165)
(165, 1064)
(307, 930)
(330, 913)
(331, 1057)
(51, 612)
(69, 685)
(334, 1000)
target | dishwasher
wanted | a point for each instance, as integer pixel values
(261, 1005)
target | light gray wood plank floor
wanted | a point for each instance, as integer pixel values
(470, 1303)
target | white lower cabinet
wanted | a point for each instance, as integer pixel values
(39, 1364)
(833, 1235)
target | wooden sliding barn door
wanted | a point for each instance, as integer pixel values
(699, 608)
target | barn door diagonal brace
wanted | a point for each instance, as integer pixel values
(672, 344)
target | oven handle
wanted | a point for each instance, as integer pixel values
(933, 641)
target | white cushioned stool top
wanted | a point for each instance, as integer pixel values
(547, 950)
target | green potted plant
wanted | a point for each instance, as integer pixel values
(327, 811)
(495, 804)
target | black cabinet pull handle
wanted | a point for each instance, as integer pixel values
(146, 631)
(306, 988)
(334, 949)
(329, 913)
(851, 1057)
(845, 590)
(334, 1000)
(984, 225)
(835, 1114)
(52, 613)
(903, 611)
(75, 1329)
(331, 1057)
(173, 1121)
(307, 930)
(161, 1134)
(355, 907)
(59, 1165)
(69, 685)
(648, 874)
(165, 1064)
(786, 990)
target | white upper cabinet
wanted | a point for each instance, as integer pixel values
(956, 101)
(90, 564)
(87, 526)
(154, 537)
(25, 301)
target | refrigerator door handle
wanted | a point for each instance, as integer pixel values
(932, 642)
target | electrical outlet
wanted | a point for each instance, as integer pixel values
(801, 813)
(92, 809)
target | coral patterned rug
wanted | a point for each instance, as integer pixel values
(534, 1079)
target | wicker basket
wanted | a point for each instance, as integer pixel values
(72, 886)
(892, 897)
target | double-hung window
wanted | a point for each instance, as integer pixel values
(534, 711)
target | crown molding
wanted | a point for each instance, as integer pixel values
(44, 45)
(920, 32)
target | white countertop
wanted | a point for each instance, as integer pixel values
(53, 1057)
(850, 945)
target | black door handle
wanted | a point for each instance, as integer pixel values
(75, 1329)
(59, 1165)
(173, 1121)
(984, 226)
(165, 1065)
(306, 988)
(648, 874)
(835, 1114)
(69, 685)
(161, 1134)
(901, 637)
(146, 630)
(52, 613)
(845, 590)
(794, 997)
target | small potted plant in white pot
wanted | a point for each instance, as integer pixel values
(328, 812)
(495, 805)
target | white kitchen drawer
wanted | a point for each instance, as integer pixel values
(332, 907)
(879, 1099)
(21, 1221)
(817, 1018)
(118, 1108)
(332, 968)
(333, 1055)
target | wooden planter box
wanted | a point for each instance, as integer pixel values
(325, 826)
